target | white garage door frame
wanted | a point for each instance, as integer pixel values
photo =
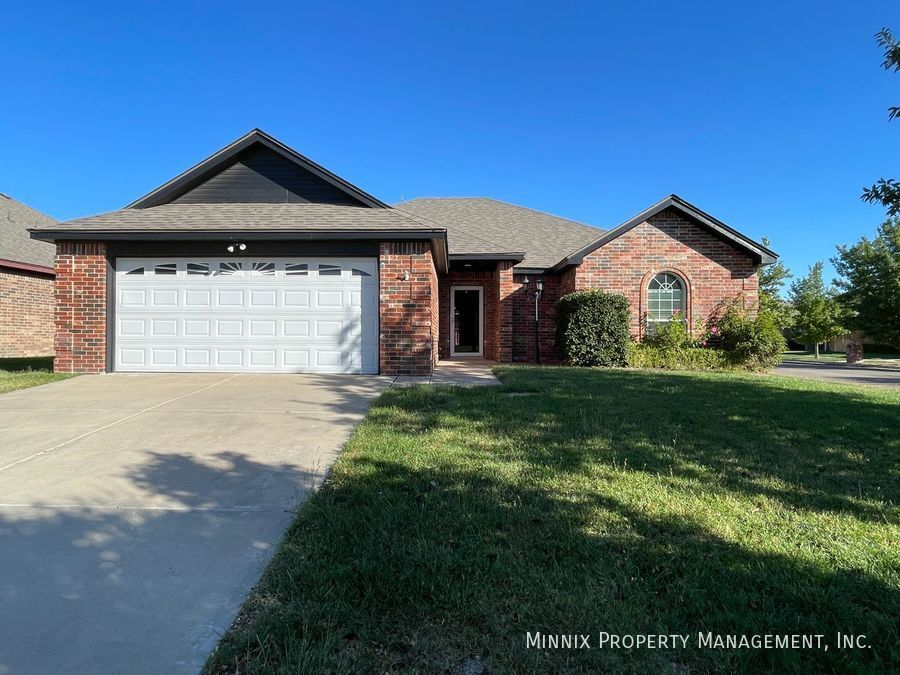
(259, 314)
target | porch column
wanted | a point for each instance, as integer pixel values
(505, 289)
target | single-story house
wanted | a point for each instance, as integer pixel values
(259, 259)
(26, 282)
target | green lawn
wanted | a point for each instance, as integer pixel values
(24, 373)
(581, 501)
(873, 359)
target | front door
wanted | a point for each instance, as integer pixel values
(466, 325)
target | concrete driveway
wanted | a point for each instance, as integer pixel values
(137, 511)
(842, 373)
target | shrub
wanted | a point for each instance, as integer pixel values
(645, 355)
(592, 328)
(755, 342)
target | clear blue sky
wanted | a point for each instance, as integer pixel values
(769, 115)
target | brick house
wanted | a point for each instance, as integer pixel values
(26, 283)
(258, 259)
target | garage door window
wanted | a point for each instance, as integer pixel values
(198, 269)
(296, 269)
(329, 270)
(227, 269)
(165, 269)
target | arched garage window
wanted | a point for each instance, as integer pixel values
(665, 299)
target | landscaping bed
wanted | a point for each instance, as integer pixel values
(577, 501)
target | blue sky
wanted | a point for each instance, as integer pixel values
(769, 115)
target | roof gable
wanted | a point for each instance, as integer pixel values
(703, 219)
(257, 168)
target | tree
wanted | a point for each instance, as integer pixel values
(871, 283)
(819, 317)
(887, 190)
(771, 282)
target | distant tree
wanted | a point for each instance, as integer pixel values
(819, 316)
(771, 283)
(887, 190)
(870, 282)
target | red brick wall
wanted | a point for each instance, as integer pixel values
(26, 314)
(80, 307)
(523, 319)
(408, 309)
(488, 282)
(506, 288)
(713, 269)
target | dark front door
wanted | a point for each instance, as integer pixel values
(466, 321)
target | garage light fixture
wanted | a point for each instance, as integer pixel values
(231, 248)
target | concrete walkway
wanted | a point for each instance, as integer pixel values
(462, 372)
(841, 372)
(137, 511)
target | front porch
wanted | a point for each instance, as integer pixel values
(487, 311)
(464, 372)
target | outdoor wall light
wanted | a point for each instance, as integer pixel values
(231, 248)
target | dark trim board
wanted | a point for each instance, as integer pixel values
(110, 313)
(255, 249)
(486, 256)
(27, 267)
(232, 235)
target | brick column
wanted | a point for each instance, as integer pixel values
(505, 288)
(408, 308)
(80, 340)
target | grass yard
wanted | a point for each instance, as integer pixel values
(24, 373)
(892, 360)
(581, 501)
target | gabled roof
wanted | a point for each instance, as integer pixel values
(765, 255)
(17, 249)
(479, 227)
(220, 160)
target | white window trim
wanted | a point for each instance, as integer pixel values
(480, 290)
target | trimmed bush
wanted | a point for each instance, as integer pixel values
(592, 328)
(755, 343)
(644, 355)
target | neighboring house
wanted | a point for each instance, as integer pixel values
(258, 259)
(26, 283)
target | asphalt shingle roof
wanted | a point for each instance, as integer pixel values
(15, 242)
(482, 225)
(244, 217)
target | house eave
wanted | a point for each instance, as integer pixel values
(486, 256)
(437, 237)
(26, 267)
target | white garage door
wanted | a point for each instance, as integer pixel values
(265, 315)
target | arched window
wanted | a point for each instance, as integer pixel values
(666, 297)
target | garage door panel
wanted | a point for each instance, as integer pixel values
(133, 298)
(201, 298)
(289, 315)
(229, 297)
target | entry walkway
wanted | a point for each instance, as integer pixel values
(460, 372)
